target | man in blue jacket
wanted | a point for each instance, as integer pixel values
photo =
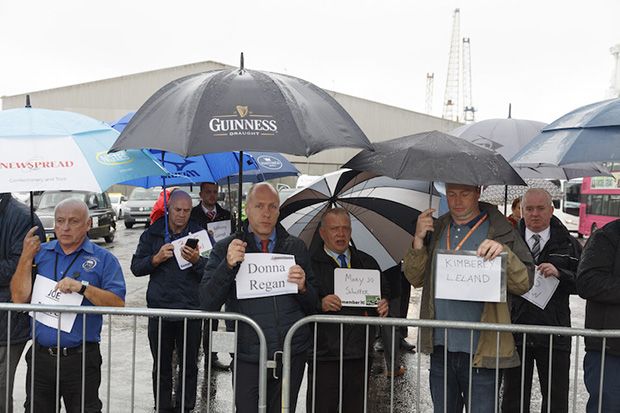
(14, 225)
(172, 287)
(275, 314)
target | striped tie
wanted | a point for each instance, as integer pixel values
(536, 247)
(343, 260)
(211, 215)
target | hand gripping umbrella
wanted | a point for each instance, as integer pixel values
(244, 110)
(383, 211)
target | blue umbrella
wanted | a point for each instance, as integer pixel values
(590, 133)
(56, 150)
(270, 165)
(193, 170)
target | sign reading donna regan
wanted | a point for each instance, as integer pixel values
(265, 275)
(461, 275)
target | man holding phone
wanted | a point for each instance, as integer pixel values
(171, 287)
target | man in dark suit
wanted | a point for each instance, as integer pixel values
(204, 213)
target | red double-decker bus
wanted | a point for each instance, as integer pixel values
(600, 200)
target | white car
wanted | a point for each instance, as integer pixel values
(118, 204)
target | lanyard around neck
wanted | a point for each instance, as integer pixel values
(67, 270)
(458, 247)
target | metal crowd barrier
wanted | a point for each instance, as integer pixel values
(142, 312)
(399, 322)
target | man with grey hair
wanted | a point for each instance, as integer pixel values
(274, 314)
(172, 287)
(77, 266)
(556, 254)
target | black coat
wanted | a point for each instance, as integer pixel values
(221, 214)
(354, 335)
(598, 281)
(169, 286)
(563, 251)
(14, 225)
(275, 315)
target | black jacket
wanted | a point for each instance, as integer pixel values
(563, 251)
(275, 315)
(14, 225)
(328, 339)
(221, 214)
(169, 286)
(598, 281)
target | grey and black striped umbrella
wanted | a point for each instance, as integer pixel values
(383, 211)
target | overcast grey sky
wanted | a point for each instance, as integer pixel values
(544, 57)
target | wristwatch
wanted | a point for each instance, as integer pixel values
(84, 285)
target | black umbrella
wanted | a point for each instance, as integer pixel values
(436, 156)
(244, 110)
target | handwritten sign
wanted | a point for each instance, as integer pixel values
(219, 229)
(204, 246)
(265, 275)
(43, 293)
(357, 288)
(543, 289)
(460, 275)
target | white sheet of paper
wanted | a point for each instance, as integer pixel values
(542, 290)
(265, 275)
(219, 229)
(468, 278)
(204, 245)
(357, 288)
(43, 293)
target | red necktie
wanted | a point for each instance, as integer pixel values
(211, 215)
(264, 243)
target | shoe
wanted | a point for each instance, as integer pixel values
(405, 345)
(378, 346)
(216, 364)
(398, 372)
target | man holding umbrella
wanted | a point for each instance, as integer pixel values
(75, 265)
(469, 226)
(15, 222)
(274, 314)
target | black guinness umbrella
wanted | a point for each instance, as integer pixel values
(241, 110)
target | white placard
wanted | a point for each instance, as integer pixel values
(43, 293)
(460, 275)
(204, 246)
(265, 275)
(542, 290)
(219, 229)
(357, 288)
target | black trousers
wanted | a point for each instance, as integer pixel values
(327, 382)
(560, 366)
(246, 397)
(172, 338)
(44, 396)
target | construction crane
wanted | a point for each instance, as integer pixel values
(468, 106)
(430, 79)
(451, 97)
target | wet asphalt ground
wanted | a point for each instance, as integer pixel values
(126, 389)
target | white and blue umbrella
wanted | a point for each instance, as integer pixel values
(57, 150)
